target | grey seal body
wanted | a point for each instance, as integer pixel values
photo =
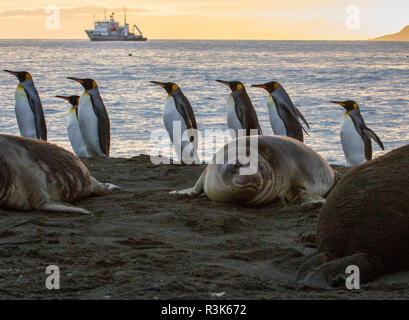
(355, 135)
(93, 120)
(37, 175)
(28, 108)
(240, 110)
(287, 170)
(179, 113)
(284, 116)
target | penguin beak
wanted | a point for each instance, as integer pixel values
(76, 79)
(12, 72)
(62, 97)
(158, 83)
(224, 82)
(263, 86)
(342, 104)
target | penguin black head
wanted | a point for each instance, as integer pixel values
(21, 75)
(349, 105)
(269, 86)
(170, 87)
(73, 100)
(87, 83)
(233, 85)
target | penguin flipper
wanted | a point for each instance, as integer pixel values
(300, 115)
(368, 147)
(292, 124)
(37, 108)
(186, 111)
(103, 125)
(370, 134)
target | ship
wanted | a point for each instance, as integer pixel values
(111, 30)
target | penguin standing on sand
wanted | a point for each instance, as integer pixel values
(355, 135)
(73, 127)
(93, 120)
(284, 116)
(178, 110)
(28, 107)
(240, 111)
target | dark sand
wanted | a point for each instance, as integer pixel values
(145, 244)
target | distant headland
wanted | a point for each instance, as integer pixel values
(403, 35)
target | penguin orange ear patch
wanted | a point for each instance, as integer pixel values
(355, 106)
(94, 84)
(174, 87)
(28, 76)
(276, 85)
(239, 86)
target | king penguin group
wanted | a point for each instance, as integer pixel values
(88, 124)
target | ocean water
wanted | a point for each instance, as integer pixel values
(375, 74)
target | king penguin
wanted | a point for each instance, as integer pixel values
(355, 135)
(178, 110)
(28, 107)
(284, 116)
(73, 127)
(240, 111)
(93, 120)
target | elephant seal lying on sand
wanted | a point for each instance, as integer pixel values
(36, 175)
(287, 170)
(365, 222)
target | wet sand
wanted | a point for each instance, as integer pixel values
(143, 243)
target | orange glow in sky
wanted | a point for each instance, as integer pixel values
(211, 19)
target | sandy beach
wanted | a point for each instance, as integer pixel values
(143, 243)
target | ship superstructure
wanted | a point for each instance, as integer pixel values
(111, 30)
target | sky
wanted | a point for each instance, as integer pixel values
(210, 19)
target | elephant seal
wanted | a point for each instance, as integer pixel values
(364, 222)
(286, 169)
(36, 175)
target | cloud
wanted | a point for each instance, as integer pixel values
(85, 10)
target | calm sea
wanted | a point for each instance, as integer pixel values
(313, 73)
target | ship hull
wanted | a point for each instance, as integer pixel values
(113, 37)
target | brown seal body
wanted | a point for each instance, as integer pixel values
(365, 221)
(42, 176)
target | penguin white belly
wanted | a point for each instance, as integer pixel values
(352, 143)
(88, 122)
(173, 120)
(24, 114)
(232, 120)
(74, 133)
(277, 124)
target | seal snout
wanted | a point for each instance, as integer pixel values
(249, 181)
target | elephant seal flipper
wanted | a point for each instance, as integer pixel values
(332, 274)
(101, 189)
(97, 189)
(195, 191)
(62, 207)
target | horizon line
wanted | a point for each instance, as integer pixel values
(212, 39)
